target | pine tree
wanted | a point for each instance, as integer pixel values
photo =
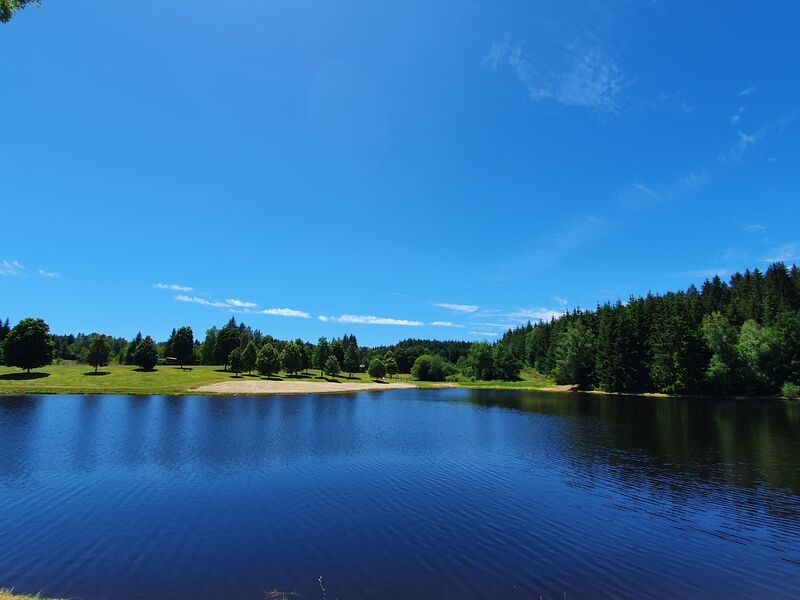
(351, 362)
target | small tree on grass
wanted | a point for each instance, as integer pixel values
(28, 345)
(292, 358)
(377, 369)
(332, 366)
(321, 352)
(350, 360)
(97, 352)
(183, 345)
(146, 354)
(391, 364)
(268, 360)
(235, 360)
(249, 357)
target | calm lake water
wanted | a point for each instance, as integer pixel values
(399, 494)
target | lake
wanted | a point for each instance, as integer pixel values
(447, 493)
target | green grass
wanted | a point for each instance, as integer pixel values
(120, 379)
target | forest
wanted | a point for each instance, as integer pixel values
(740, 337)
(736, 338)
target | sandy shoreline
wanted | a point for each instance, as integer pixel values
(295, 387)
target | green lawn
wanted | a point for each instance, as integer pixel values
(119, 379)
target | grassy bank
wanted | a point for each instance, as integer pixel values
(7, 595)
(120, 379)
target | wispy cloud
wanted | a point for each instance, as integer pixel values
(755, 228)
(535, 314)
(285, 312)
(49, 274)
(173, 287)
(201, 301)
(446, 324)
(737, 116)
(369, 320)
(784, 253)
(562, 302)
(747, 91)
(11, 268)
(459, 308)
(745, 140)
(240, 303)
(637, 195)
(484, 333)
(583, 74)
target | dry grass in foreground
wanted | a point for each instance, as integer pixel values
(8, 595)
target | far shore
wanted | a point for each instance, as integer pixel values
(267, 386)
(214, 380)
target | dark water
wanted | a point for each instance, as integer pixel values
(401, 494)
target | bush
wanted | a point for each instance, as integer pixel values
(430, 367)
(790, 390)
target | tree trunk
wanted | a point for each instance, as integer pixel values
(95, 368)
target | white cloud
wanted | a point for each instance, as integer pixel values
(173, 287)
(446, 324)
(285, 312)
(461, 308)
(582, 75)
(755, 228)
(484, 333)
(50, 274)
(747, 91)
(537, 314)
(369, 320)
(13, 268)
(201, 301)
(784, 253)
(240, 303)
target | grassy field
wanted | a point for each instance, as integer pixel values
(120, 379)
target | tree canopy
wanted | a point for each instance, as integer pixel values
(28, 345)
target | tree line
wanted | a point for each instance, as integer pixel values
(740, 337)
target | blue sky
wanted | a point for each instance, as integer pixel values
(389, 169)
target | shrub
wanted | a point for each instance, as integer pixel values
(790, 390)
(430, 367)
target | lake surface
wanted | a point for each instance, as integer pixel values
(399, 494)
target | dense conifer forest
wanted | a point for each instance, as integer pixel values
(737, 337)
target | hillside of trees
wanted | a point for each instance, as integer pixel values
(740, 337)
